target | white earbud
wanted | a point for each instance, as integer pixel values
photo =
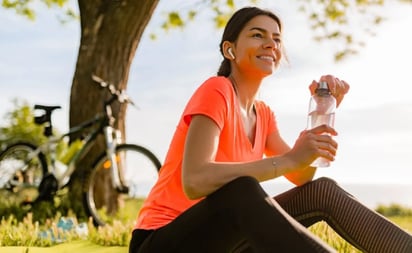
(230, 52)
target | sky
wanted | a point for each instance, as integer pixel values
(374, 121)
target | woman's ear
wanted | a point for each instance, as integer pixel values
(227, 49)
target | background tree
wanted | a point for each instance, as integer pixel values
(111, 31)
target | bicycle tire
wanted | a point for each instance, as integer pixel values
(20, 174)
(103, 202)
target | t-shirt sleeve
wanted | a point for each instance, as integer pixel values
(211, 100)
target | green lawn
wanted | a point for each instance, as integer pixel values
(72, 247)
(110, 235)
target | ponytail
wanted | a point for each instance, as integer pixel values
(224, 69)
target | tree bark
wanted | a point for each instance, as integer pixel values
(110, 33)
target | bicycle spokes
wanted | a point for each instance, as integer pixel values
(119, 185)
(137, 168)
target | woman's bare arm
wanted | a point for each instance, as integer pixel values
(201, 175)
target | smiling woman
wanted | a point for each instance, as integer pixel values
(48, 64)
(208, 196)
(28, 71)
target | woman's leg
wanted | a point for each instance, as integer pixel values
(238, 212)
(323, 199)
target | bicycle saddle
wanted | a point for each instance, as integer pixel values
(46, 117)
(47, 108)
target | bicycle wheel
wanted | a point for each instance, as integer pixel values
(103, 202)
(21, 171)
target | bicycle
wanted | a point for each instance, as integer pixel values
(25, 167)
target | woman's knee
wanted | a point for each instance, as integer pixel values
(326, 181)
(329, 187)
(243, 187)
(244, 181)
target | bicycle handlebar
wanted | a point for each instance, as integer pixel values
(121, 96)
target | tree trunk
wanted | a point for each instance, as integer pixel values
(110, 33)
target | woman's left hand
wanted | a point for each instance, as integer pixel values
(338, 87)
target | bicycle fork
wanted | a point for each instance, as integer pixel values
(111, 143)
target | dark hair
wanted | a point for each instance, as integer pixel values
(233, 28)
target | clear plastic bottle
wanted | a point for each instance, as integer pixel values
(62, 163)
(322, 107)
(67, 156)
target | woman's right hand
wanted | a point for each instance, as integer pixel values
(313, 143)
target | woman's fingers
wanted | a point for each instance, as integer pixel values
(328, 145)
(337, 87)
(314, 143)
(323, 129)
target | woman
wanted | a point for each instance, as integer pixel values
(208, 197)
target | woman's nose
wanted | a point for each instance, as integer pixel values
(273, 44)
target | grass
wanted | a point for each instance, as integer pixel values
(404, 222)
(23, 236)
(75, 246)
(326, 233)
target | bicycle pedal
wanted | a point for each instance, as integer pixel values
(48, 187)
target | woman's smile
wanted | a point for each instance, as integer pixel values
(267, 58)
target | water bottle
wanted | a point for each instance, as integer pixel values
(322, 107)
(59, 169)
(61, 164)
(71, 151)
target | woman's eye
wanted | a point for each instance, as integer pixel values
(257, 35)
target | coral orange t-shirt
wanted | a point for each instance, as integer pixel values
(216, 99)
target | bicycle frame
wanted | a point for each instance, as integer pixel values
(50, 148)
(88, 141)
(104, 125)
(111, 139)
(33, 173)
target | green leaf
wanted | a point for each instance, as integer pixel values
(230, 4)
(191, 15)
(174, 20)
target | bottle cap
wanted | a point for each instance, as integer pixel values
(323, 85)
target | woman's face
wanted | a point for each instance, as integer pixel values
(258, 47)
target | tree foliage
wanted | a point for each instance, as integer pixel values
(345, 23)
(394, 210)
(20, 125)
(27, 8)
(221, 9)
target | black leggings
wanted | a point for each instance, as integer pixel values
(240, 217)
